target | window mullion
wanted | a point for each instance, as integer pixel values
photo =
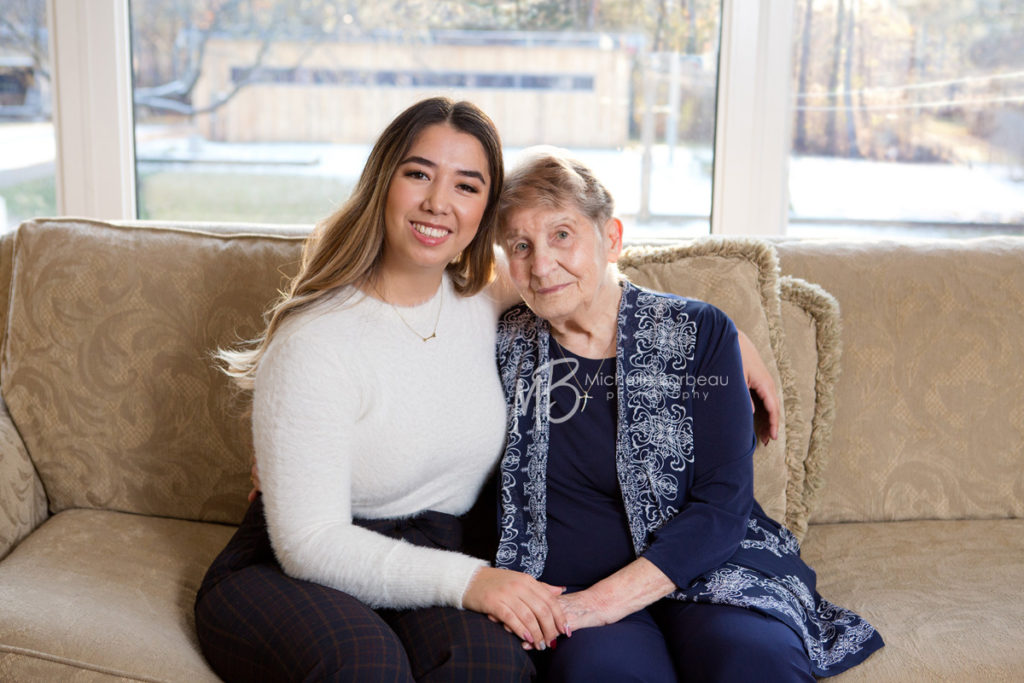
(752, 136)
(95, 165)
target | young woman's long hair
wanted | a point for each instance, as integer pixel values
(346, 248)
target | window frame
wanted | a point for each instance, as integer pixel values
(94, 122)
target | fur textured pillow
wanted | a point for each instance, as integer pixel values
(810, 317)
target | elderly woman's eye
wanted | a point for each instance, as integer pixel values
(519, 247)
(562, 234)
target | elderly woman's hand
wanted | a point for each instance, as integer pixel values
(761, 382)
(585, 610)
(528, 608)
(637, 585)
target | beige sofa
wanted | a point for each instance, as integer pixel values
(124, 455)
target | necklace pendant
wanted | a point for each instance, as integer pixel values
(437, 318)
(586, 397)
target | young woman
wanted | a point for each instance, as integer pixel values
(377, 417)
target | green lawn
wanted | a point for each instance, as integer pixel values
(202, 197)
(29, 199)
(174, 195)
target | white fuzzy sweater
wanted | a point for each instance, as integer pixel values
(355, 416)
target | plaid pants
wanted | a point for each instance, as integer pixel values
(255, 623)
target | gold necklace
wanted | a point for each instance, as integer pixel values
(437, 319)
(597, 375)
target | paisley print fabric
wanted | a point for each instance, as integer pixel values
(653, 445)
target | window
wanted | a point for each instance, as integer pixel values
(266, 111)
(908, 118)
(27, 185)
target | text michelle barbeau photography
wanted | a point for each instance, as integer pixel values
(566, 376)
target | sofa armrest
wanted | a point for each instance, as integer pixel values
(23, 504)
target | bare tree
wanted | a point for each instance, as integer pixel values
(833, 78)
(803, 76)
(23, 26)
(198, 24)
(852, 149)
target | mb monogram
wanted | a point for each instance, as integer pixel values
(565, 378)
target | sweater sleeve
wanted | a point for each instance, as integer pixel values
(712, 521)
(305, 407)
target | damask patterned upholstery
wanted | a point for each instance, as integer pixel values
(929, 418)
(22, 498)
(106, 370)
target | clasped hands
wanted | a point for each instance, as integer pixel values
(537, 613)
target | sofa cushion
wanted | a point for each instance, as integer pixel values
(945, 595)
(810, 317)
(739, 276)
(107, 373)
(106, 593)
(929, 418)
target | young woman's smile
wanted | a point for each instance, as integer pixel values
(437, 197)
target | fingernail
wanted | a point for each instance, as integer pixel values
(542, 646)
(568, 631)
(553, 644)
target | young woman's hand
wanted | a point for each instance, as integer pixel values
(761, 382)
(528, 608)
(254, 477)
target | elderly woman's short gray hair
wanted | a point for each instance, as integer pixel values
(549, 177)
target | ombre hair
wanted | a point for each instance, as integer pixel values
(347, 247)
(550, 177)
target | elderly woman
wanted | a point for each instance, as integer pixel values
(623, 486)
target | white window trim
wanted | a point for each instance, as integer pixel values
(94, 127)
(92, 108)
(752, 133)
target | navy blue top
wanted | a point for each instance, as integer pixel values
(588, 529)
(588, 535)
